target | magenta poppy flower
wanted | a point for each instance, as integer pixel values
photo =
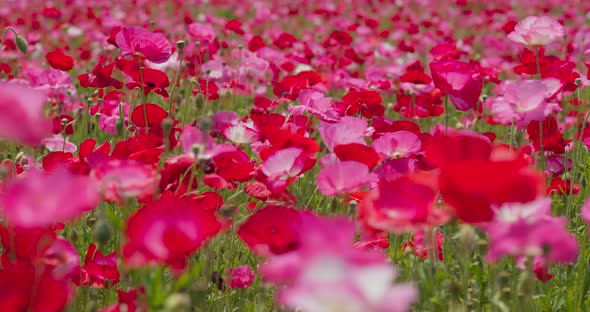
(537, 31)
(240, 277)
(524, 230)
(461, 81)
(135, 40)
(21, 114)
(37, 199)
(347, 130)
(168, 231)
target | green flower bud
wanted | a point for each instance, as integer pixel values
(21, 44)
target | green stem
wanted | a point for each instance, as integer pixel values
(181, 57)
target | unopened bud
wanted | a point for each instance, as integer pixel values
(103, 232)
(467, 237)
(180, 44)
(21, 44)
(120, 126)
(205, 123)
(167, 125)
(526, 283)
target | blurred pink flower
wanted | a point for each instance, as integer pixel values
(537, 31)
(344, 177)
(122, 179)
(240, 277)
(326, 273)
(37, 199)
(528, 230)
(21, 114)
(154, 46)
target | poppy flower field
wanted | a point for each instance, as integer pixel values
(267, 155)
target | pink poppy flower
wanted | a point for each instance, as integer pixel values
(537, 31)
(344, 177)
(154, 46)
(401, 205)
(122, 179)
(461, 81)
(58, 143)
(240, 277)
(317, 104)
(167, 231)
(21, 114)
(347, 130)
(397, 144)
(524, 101)
(327, 272)
(99, 271)
(203, 33)
(36, 199)
(528, 230)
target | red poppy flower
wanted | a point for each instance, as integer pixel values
(367, 102)
(99, 271)
(271, 230)
(358, 152)
(153, 80)
(58, 59)
(100, 77)
(472, 187)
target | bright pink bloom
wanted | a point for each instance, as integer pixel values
(317, 104)
(168, 231)
(528, 230)
(203, 33)
(154, 46)
(461, 81)
(524, 101)
(58, 143)
(397, 144)
(537, 31)
(122, 179)
(36, 199)
(346, 131)
(327, 273)
(344, 177)
(21, 114)
(240, 277)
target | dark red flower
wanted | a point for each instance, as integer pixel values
(367, 102)
(153, 80)
(271, 230)
(58, 59)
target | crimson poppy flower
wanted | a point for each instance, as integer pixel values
(208, 89)
(271, 230)
(256, 43)
(235, 26)
(25, 287)
(153, 80)
(472, 187)
(58, 59)
(167, 231)
(358, 152)
(100, 77)
(63, 123)
(99, 271)
(367, 102)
